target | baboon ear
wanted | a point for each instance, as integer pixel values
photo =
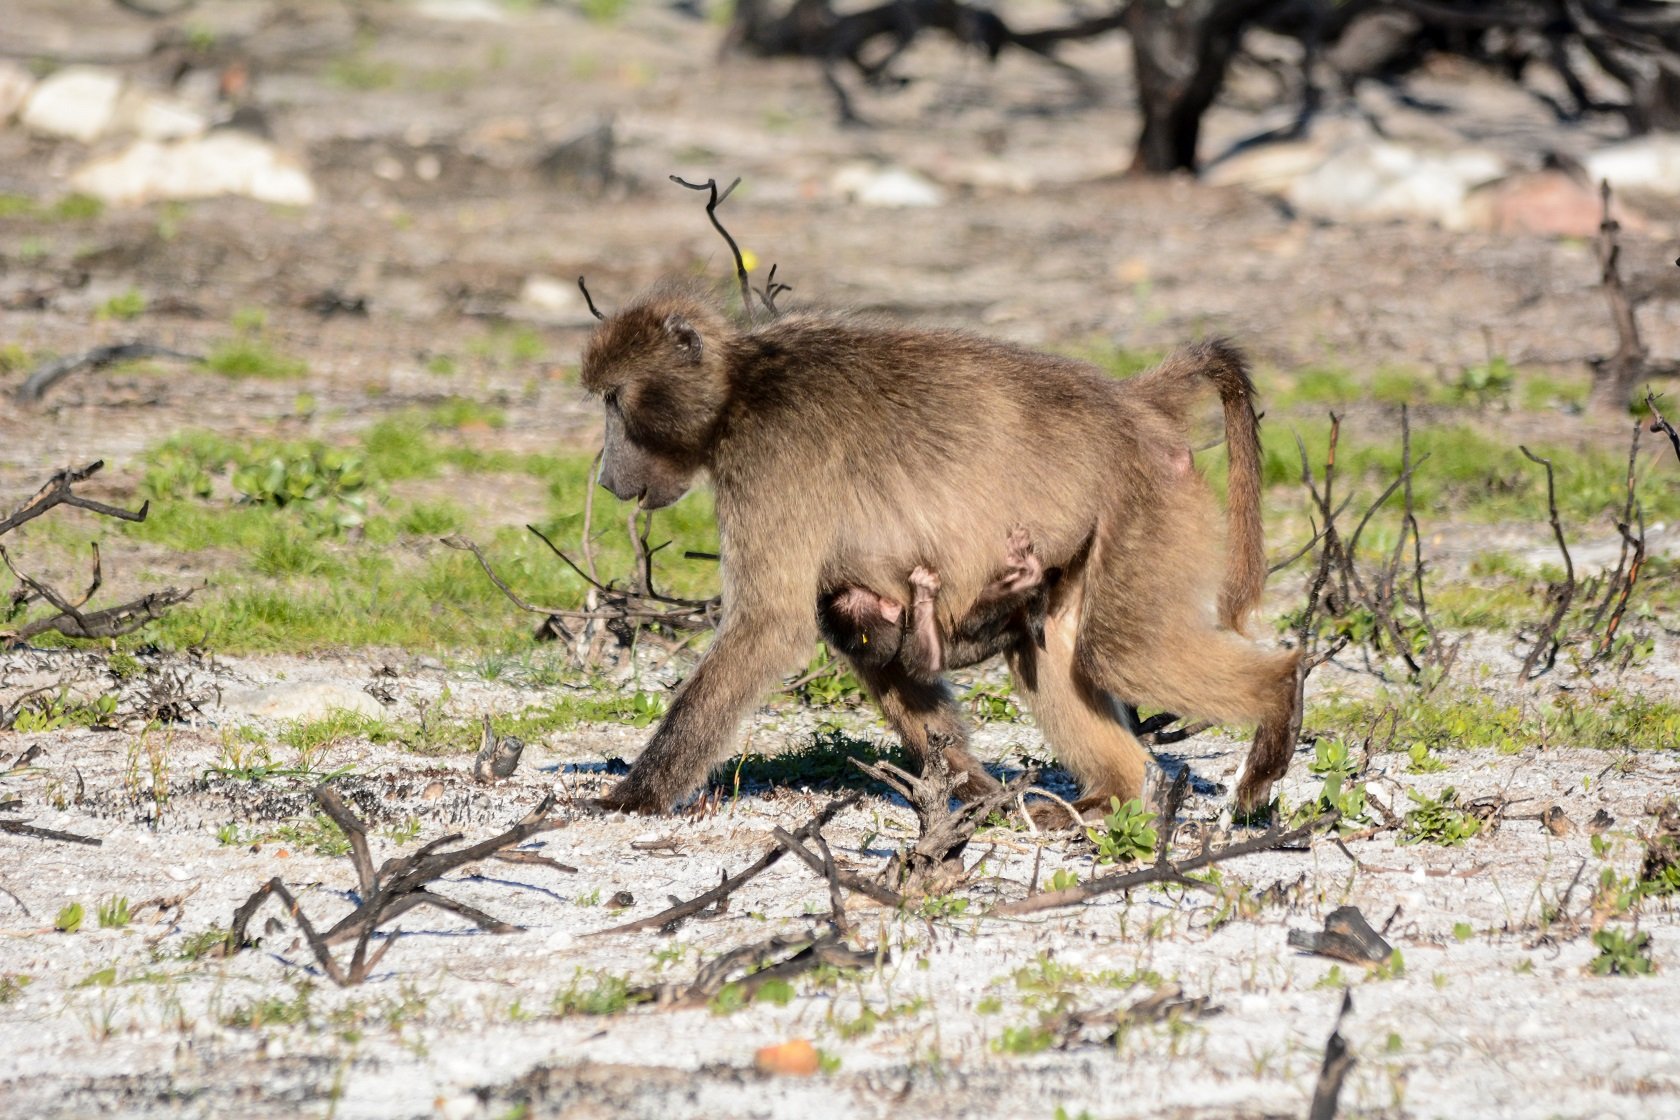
(683, 335)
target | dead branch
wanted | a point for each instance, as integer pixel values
(1546, 641)
(712, 204)
(57, 490)
(1614, 377)
(825, 868)
(21, 828)
(35, 386)
(589, 300)
(1346, 936)
(1162, 871)
(1337, 1063)
(933, 865)
(750, 967)
(1659, 423)
(389, 891)
(70, 620)
(732, 883)
(1630, 561)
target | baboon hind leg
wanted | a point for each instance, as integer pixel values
(1146, 634)
(1086, 727)
(925, 716)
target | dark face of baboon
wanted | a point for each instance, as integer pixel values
(660, 369)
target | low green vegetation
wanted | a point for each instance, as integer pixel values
(1599, 718)
(1127, 834)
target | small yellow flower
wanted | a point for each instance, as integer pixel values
(749, 259)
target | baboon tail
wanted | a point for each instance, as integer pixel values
(1173, 387)
(1245, 545)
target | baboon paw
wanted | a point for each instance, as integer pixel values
(925, 581)
(622, 799)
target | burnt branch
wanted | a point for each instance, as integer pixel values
(57, 491)
(1614, 377)
(69, 619)
(23, 828)
(588, 300)
(1337, 1063)
(752, 966)
(933, 865)
(1162, 871)
(35, 386)
(1659, 422)
(388, 891)
(713, 202)
(1542, 654)
(731, 883)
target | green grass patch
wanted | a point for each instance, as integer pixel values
(1597, 719)
(249, 356)
(311, 551)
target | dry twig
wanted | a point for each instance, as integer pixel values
(388, 891)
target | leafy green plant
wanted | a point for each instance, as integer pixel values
(130, 304)
(1622, 954)
(1482, 384)
(1437, 820)
(1333, 761)
(69, 919)
(1127, 833)
(606, 994)
(251, 356)
(12, 985)
(1062, 879)
(1023, 1040)
(992, 703)
(114, 913)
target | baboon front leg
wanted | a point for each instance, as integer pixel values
(1086, 727)
(926, 719)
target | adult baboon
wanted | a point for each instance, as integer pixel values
(845, 453)
(873, 630)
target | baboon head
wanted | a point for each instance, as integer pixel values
(661, 369)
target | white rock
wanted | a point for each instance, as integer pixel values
(158, 116)
(1648, 163)
(869, 185)
(463, 11)
(79, 102)
(301, 700)
(1383, 180)
(228, 162)
(16, 84)
(549, 296)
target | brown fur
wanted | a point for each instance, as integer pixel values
(844, 454)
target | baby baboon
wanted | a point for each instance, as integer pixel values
(874, 630)
(845, 453)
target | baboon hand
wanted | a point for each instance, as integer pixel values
(626, 797)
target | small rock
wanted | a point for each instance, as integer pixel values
(1648, 163)
(546, 294)
(432, 792)
(156, 116)
(462, 11)
(77, 102)
(584, 161)
(890, 187)
(794, 1058)
(301, 700)
(222, 163)
(16, 84)
(1556, 821)
(1377, 179)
